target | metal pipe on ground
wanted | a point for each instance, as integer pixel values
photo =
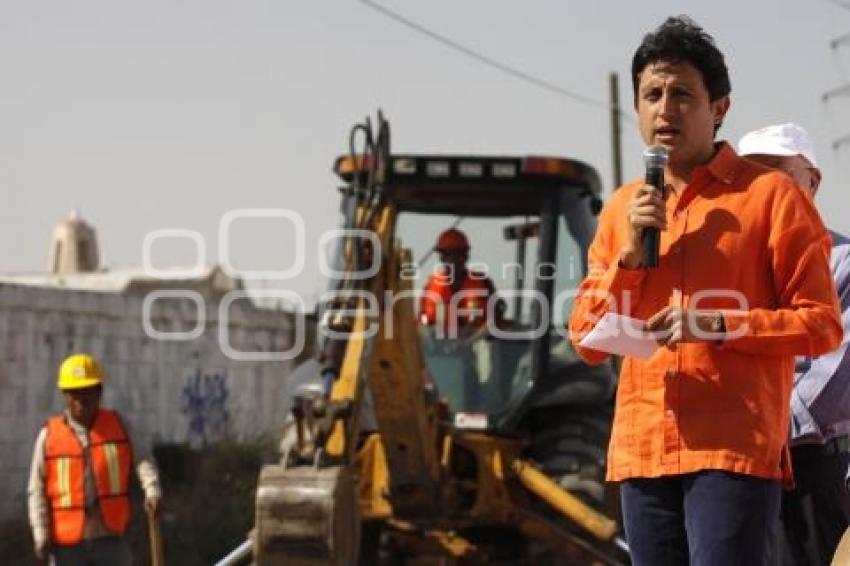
(238, 554)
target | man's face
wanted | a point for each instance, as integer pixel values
(797, 167)
(455, 259)
(674, 111)
(82, 404)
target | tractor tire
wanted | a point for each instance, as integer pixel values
(569, 444)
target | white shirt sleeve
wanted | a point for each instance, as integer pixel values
(145, 465)
(36, 496)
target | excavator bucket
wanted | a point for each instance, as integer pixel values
(306, 516)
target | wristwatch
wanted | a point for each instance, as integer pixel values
(717, 325)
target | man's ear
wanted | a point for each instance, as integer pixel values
(719, 108)
(815, 180)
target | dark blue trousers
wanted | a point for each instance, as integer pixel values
(710, 518)
(816, 513)
(104, 551)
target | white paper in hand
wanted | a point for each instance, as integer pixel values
(622, 335)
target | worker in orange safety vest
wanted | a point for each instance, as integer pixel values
(455, 297)
(78, 493)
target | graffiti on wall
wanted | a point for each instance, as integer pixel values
(204, 402)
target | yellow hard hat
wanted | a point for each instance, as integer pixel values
(79, 371)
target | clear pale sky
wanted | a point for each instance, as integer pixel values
(168, 114)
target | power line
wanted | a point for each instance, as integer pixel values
(843, 90)
(839, 41)
(490, 61)
(843, 140)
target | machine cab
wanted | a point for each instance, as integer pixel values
(491, 322)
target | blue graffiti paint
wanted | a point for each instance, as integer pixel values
(204, 402)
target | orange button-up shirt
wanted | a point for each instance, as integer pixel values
(741, 239)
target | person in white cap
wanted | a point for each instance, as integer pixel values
(786, 147)
(820, 402)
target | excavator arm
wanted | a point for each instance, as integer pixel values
(309, 505)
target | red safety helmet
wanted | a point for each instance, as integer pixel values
(452, 239)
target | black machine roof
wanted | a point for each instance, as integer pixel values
(475, 185)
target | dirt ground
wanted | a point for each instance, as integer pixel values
(208, 505)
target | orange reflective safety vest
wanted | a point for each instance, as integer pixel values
(466, 305)
(111, 459)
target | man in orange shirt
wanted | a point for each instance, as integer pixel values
(742, 286)
(455, 297)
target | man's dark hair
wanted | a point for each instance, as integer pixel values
(680, 40)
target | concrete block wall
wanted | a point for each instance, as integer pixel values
(168, 391)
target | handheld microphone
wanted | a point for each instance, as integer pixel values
(655, 158)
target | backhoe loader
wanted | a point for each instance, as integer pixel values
(419, 446)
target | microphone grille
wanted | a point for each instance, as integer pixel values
(655, 156)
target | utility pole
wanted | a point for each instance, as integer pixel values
(617, 177)
(616, 131)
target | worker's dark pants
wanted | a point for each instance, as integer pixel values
(815, 513)
(709, 518)
(105, 551)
